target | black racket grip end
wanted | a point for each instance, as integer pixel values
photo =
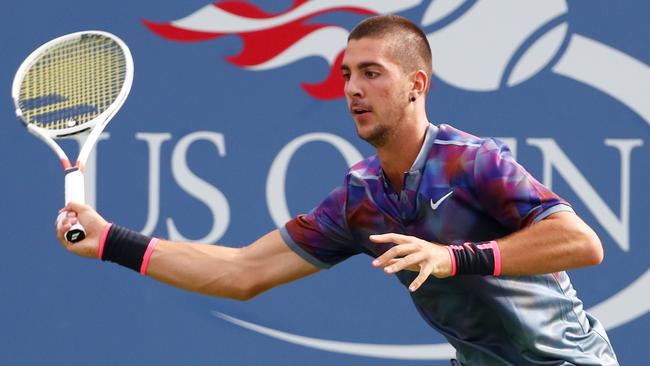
(75, 234)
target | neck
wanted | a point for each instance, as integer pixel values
(398, 155)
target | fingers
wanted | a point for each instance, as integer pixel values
(61, 228)
(412, 260)
(64, 222)
(59, 219)
(404, 247)
(390, 238)
(415, 262)
(68, 214)
(74, 207)
(413, 268)
(65, 217)
(392, 253)
(425, 271)
(409, 253)
(76, 213)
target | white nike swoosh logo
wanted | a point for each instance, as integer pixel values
(434, 205)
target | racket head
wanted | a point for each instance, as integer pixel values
(72, 83)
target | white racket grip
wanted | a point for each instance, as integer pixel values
(74, 187)
(74, 192)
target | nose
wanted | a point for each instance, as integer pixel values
(352, 87)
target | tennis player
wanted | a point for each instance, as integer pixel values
(480, 244)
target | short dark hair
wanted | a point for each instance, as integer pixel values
(410, 46)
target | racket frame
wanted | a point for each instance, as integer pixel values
(96, 125)
(74, 179)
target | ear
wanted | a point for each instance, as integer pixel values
(419, 83)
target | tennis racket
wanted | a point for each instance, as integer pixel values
(71, 85)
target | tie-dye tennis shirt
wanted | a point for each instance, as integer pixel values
(461, 188)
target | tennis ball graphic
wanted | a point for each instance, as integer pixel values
(494, 42)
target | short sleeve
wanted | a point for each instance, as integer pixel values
(507, 191)
(321, 237)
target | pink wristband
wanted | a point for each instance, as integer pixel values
(147, 256)
(497, 258)
(496, 253)
(453, 260)
(102, 240)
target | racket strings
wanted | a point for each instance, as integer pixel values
(73, 82)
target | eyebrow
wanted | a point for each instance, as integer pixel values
(362, 65)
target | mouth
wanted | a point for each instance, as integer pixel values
(359, 110)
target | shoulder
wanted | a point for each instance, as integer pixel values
(365, 170)
(451, 138)
(460, 156)
(359, 176)
(448, 135)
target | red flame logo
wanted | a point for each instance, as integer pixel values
(273, 40)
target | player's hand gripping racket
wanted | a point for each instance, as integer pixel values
(70, 85)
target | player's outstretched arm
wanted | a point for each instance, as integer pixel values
(237, 273)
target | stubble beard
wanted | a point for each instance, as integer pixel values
(378, 137)
(383, 133)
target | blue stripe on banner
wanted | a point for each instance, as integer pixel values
(65, 113)
(42, 101)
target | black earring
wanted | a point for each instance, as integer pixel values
(412, 99)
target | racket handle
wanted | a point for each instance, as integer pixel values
(76, 233)
(74, 192)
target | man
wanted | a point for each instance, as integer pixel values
(480, 244)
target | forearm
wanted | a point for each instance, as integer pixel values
(207, 269)
(560, 242)
(236, 273)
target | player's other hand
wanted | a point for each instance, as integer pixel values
(414, 254)
(92, 222)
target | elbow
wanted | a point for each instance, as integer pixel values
(592, 252)
(238, 292)
(242, 296)
(247, 293)
(234, 286)
(237, 279)
(586, 248)
(596, 253)
(247, 288)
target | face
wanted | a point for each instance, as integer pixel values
(376, 89)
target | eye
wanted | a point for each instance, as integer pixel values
(346, 76)
(370, 74)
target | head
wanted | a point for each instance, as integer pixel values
(387, 69)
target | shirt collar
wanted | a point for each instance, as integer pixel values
(412, 177)
(421, 159)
